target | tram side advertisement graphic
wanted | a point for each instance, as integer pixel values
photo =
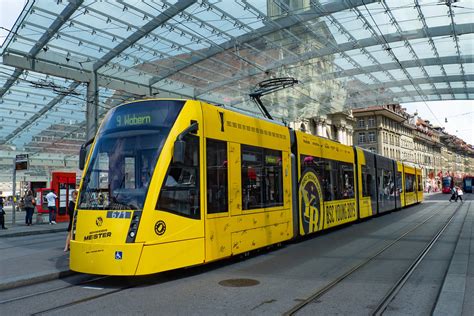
(311, 203)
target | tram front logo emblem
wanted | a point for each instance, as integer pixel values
(310, 202)
(160, 228)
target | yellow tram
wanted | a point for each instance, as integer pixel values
(176, 183)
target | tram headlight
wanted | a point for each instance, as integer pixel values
(132, 230)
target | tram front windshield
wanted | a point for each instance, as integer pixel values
(125, 154)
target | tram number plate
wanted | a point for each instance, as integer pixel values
(119, 214)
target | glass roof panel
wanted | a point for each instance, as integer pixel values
(441, 85)
(457, 84)
(198, 53)
(434, 71)
(466, 45)
(406, 15)
(360, 58)
(422, 48)
(452, 69)
(398, 74)
(377, 19)
(469, 68)
(425, 86)
(401, 51)
(381, 76)
(436, 14)
(416, 72)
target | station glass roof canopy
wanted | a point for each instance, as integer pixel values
(345, 54)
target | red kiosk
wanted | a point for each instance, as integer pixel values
(62, 183)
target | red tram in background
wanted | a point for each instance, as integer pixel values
(448, 184)
(63, 183)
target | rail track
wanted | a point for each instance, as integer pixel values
(387, 298)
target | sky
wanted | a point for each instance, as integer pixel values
(458, 114)
(9, 12)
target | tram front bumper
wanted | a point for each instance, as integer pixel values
(105, 259)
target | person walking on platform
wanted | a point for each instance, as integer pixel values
(29, 207)
(70, 211)
(459, 194)
(453, 194)
(2, 214)
(51, 198)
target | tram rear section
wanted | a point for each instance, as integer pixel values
(175, 183)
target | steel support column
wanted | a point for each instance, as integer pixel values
(92, 106)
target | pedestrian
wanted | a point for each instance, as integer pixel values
(459, 195)
(29, 202)
(2, 214)
(51, 198)
(70, 211)
(453, 194)
(21, 205)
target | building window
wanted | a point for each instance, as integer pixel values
(361, 123)
(361, 138)
(371, 137)
(371, 122)
(372, 149)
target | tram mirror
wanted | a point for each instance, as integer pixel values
(82, 157)
(179, 151)
(83, 153)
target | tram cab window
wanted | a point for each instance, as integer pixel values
(180, 191)
(262, 178)
(217, 185)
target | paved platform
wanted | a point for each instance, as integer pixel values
(40, 225)
(31, 254)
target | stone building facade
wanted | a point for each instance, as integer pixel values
(390, 131)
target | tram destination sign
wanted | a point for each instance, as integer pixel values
(21, 162)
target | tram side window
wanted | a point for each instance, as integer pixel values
(273, 178)
(386, 184)
(216, 153)
(262, 180)
(399, 183)
(321, 167)
(420, 184)
(180, 191)
(336, 178)
(345, 180)
(367, 181)
(409, 182)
